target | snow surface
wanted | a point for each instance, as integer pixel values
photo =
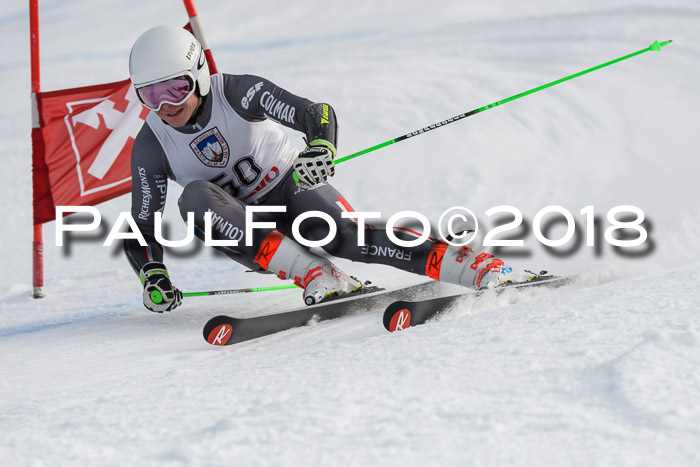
(605, 372)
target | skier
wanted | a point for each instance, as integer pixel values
(219, 137)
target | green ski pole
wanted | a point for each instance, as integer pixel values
(656, 46)
(237, 291)
(158, 298)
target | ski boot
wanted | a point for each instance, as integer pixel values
(504, 275)
(319, 278)
(325, 280)
(463, 266)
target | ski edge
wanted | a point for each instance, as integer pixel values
(222, 330)
(398, 315)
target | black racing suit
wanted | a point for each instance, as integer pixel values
(151, 167)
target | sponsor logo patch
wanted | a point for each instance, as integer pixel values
(400, 321)
(268, 249)
(245, 102)
(211, 148)
(147, 196)
(374, 250)
(276, 109)
(463, 252)
(220, 335)
(271, 175)
(190, 52)
(202, 59)
(434, 263)
(324, 117)
(225, 227)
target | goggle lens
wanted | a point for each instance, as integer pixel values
(173, 91)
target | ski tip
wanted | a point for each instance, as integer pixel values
(398, 321)
(219, 330)
(220, 334)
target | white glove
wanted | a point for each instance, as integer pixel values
(315, 163)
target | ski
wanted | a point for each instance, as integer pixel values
(226, 330)
(404, 314)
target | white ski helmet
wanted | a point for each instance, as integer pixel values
(166, 52)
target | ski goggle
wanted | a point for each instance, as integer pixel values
(173, 91)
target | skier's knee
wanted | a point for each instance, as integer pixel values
(192, 196)
(344, 236)
(202, 195)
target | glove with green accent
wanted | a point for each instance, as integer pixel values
(159, 294)
(315, 163)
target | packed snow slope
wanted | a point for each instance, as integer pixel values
(604, 372)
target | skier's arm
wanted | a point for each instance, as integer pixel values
(315, 163)
(149, 185)
(256, 99)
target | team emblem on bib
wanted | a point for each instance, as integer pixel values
(211, 148)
